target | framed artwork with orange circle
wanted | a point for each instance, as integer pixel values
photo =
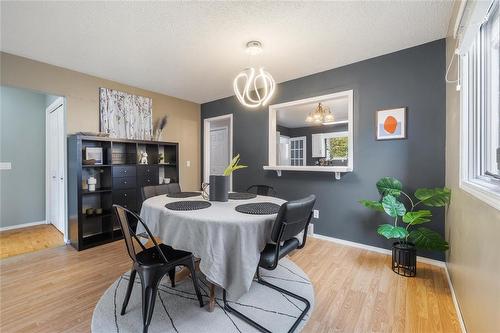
(391, 124)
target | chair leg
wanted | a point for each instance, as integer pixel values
(191, 267)
(284, 291)
(171, 274)
(240, 315)
(129, 291)
(149, 291)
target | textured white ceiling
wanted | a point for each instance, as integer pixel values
(295, 116)
(193, 50)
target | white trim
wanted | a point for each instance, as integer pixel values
(24, 225)
(424, 260)
(482, 193)
(206, 145)
(272, 134)
(57, 103)
(308, 168)
(455, 302)
(377, 249)
(468, 181)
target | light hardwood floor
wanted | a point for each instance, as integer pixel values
(55, 290)
(29, 239)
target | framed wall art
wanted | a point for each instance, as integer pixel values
(124, 115)
(391, 124)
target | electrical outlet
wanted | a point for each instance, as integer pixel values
(316, 213)
(188, 163)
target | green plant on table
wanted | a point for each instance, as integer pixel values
(392, 195)
(234, 165)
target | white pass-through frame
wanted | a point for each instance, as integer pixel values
(272, 165)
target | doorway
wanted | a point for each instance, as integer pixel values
(56, 166)
(218, 146)
(32, 171)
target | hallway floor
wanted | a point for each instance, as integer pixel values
(29, 239)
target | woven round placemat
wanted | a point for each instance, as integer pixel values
(241, 196)
(183, 194)
(258, 208)
(188, 205)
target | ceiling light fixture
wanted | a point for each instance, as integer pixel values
(321, 115)
(254, 87)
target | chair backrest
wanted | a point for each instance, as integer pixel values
(262, 190)
(293, 218)
(148, 192)
(168, 188)
(129, 235)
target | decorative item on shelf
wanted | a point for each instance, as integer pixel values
(91, 181)
(98, 211)
(253, 87)
(88, 162)
(160, 125)
(321, 115)
(391, 124)
(219, 185)
(143, 158)
(119, 158)
(161, 158)
(166, 180)
(94, 153)
(408, 239)
(89, 211)
(124, 115)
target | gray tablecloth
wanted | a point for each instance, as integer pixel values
(229, 243)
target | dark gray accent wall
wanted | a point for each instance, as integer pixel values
(412, 78)
(308, 132)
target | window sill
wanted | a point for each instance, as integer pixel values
(309, 168)
(484, 193)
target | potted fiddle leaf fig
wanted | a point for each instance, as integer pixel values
(219, 184)
(408, 217)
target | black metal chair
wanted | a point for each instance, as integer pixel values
(152, 264)
(168, 188)
(293, 218)
(148, 192)
(262, 190)
(154, 190)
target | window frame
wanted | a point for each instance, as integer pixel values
(474, 115)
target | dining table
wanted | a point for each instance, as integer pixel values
(227, 242)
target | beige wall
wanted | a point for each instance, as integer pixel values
(82, 96)
(472, 229)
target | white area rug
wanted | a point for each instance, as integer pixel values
(177, 309)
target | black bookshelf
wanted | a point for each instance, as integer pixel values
(119, 180)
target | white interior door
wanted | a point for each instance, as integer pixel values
(55, 165)
(219, 150)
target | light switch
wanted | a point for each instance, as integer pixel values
(5, 166)
(188, 163)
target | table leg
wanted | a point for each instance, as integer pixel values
(211, 302)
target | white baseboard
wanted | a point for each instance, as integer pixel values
(419, 259)
(24, 225)
(455, 302)
(377, 249)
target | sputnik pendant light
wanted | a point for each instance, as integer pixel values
(254, 87)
